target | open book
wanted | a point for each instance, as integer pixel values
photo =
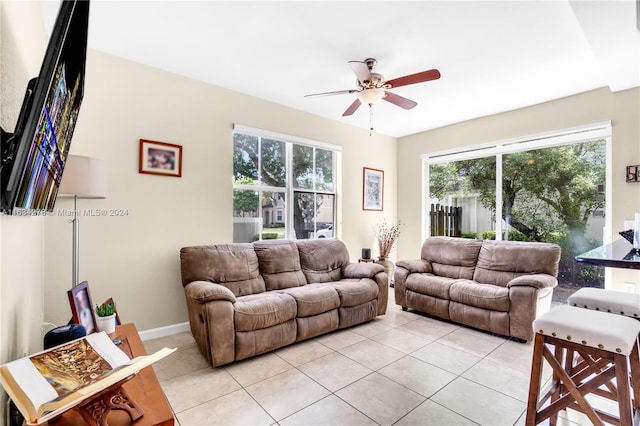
(49, 383)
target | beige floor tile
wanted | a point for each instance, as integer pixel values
(286, 393)
(328, 411)
(371, 328)
(303, 352)
(334, 371)
(401, 340)
(479, 403)
(380, 398)
(433, 414)
(446, 357)
(371, 354)
(472, 341)
(419, 376)
(500, 377)
(253, 370)
(428, 328)
(514, 354)
(180, 362)
(395, 316)
(237, 408)
(189, 390)
(178, 341)
(340, 339)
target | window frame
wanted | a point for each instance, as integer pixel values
(289, 190)
(568, 136)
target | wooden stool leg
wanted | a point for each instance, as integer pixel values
(624, 394)
(635, 373)
(536, 380)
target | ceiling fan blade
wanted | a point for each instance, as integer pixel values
(399, 100)
(361, 70)
(339, 92)
(352, 108)
(414, 78)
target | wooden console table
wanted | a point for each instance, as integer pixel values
(144, 388)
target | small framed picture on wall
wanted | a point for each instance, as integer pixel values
(160, 158)
(372, 189)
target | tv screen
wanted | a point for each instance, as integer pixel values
(33, 158)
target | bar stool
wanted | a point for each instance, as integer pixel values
(615, 302)
(604, 343)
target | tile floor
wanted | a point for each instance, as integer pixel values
(402, 368)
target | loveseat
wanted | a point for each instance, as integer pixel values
(245, 299)
(497, 286)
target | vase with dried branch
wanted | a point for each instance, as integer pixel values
(387, 236)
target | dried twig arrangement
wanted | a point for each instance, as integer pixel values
(387, 236)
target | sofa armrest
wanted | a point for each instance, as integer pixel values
(534, 280)
(205, 291)
(361, 270)
(415, 266)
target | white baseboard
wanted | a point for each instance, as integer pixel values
(168, 330)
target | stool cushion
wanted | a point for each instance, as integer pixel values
(616, 302)
(596, 329)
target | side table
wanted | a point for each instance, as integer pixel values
(366, 260)
(144, 388)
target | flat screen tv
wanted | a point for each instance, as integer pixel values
(34, 155)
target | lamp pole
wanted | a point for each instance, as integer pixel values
(76, 243)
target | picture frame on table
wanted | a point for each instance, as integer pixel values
(82, 307)
(160, 158)
(372, 189)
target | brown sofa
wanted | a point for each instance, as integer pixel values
(498, 286)
(246, 299)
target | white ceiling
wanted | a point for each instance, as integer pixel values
(494, 56)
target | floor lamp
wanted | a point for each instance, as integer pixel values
(83, 177)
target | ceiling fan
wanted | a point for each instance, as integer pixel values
(372, 87)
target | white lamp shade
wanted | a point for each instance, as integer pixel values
(84, 177)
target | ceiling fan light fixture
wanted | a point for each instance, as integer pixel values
(371, 96)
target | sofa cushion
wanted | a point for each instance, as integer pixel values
(314, 299)
(451, 257)
(485, 296)
(322, 259)
(501, 261)
(234, 266)
(264, 310)
(355, 292)
(430, 284)
(279, 264)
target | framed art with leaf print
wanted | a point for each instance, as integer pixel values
(372, 189)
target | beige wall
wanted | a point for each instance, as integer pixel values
(622, 108)
(21, 239)
(134, 258)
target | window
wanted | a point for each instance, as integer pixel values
(284, 187)
(549, 188)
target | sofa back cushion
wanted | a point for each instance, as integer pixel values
(279, 264)
(322, 259)
(234, 266)
(501, 261)
(451, 257)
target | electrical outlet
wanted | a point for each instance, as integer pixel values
(629, 287)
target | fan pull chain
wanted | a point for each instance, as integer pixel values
(370, 119)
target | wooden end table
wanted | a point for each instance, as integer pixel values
(144, 388)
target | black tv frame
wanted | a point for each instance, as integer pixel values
(33, 159)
